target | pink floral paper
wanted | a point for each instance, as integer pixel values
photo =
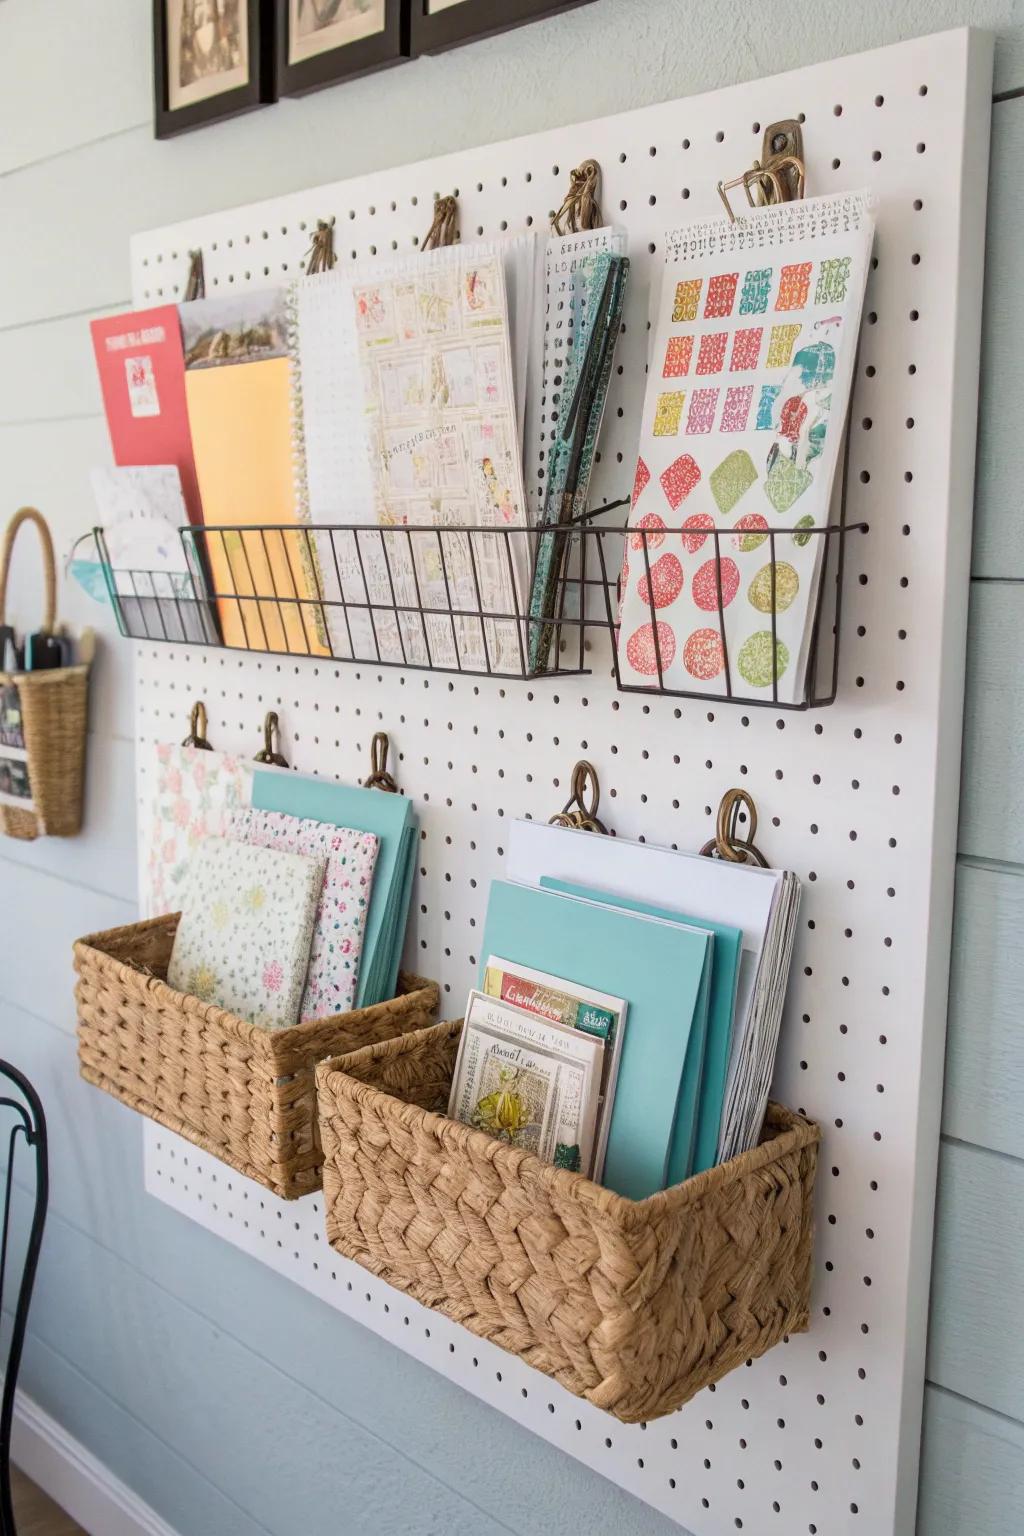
(195, 792)
(344, 901)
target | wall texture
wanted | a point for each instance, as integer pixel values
(207, 1383)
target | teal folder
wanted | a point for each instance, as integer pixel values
(721, 1004)
(660, 970)
(391, 818)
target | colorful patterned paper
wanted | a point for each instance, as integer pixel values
(737, 408)
(337, 944)
(194, 794)
(669, 412)
(781, 341)
(794, 285)
(757, 290)
(677, 357)
(687, 300)
(746, 349)
(721, 293)
(245, 930)
(703, 403)
(711, 356)
(762, 451)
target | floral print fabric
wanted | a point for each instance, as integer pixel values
(195, 792)
(245, 931)
(344, 900)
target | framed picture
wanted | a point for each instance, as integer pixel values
(211, 59)
(320, 42)
(440, 24)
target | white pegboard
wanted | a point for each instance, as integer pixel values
(821, 1435)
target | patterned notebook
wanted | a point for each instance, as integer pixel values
(340, 926)
(245, 931)
(194, 792)
(753, 347)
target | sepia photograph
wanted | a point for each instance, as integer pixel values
(322, 42)
(208, 49)
(436, 25)
(320, 25)
(212, 59)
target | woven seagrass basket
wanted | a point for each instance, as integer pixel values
(53, 715)
(634, 1305)
(241, 1092)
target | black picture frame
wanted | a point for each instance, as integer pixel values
(347, 60)
(474, 19)
(258, 91)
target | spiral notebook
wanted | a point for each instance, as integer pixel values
(754, 338)
(412, 376)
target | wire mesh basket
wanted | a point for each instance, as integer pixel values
(503, 602)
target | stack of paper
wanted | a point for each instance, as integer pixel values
(392, 820)
(335, 954)
(742, 906)
(664, 970)
(566, 269)
(422, 384)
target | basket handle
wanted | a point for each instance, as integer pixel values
(30, 515)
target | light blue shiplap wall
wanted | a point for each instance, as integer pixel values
(233, 1402)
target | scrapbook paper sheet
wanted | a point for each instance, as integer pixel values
(141, 510)
(435, 355)
(239, 391)
(245, 930)
(194, 794)
(340, 925)
(335, 484)
(141, 365)
(754, 342)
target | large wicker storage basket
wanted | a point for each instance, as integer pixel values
(242, 1092)
(633, 1305)
(54, 707)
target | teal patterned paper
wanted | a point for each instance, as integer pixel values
(596, 312)
(245, 931)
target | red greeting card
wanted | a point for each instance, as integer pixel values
(142, 374)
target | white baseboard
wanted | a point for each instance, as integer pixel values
(73, 1477)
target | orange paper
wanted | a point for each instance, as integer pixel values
(240, 417)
